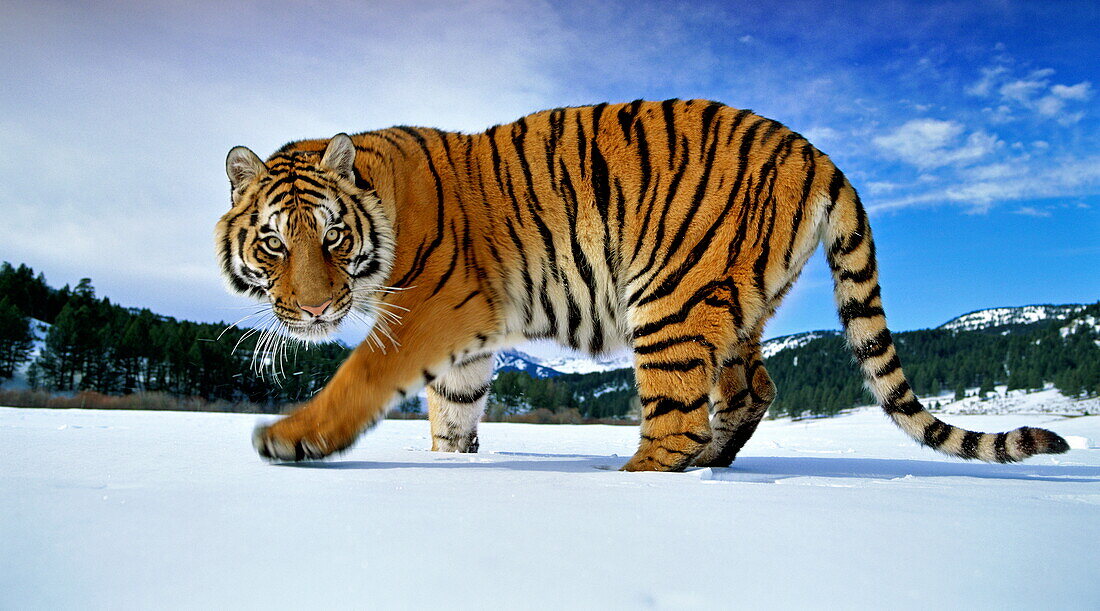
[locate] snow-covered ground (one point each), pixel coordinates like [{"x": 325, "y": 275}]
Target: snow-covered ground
[
  {"x": 1003, "y": 401},
  {"x": 153, "y": 510}
]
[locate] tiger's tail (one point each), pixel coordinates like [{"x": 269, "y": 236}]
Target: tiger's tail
[{"x": 850, "y": 252}]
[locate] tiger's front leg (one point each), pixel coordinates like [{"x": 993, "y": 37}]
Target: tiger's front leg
[
  {"x": 369, "y": 381},
  {"x": 456, "y": 401}
]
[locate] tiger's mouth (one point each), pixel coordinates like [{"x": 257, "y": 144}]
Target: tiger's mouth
[
  {"x": 313, "y": 323},
  {"x": 314, "y": 331}
]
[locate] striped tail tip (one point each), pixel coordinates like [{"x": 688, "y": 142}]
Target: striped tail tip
[
  {"x": 1009, "y": 447},
  {"x": 1042, "y": 441}
]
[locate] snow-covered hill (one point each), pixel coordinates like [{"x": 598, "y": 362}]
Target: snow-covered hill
[
  {"x": 586, "y": 364},
  {"x": 579, "y": 363},
  {"x": 797, "y": 340},
  {"x": 998, "y": 317},
  {"x": 146, "y": 510},
  {"x": 514, "y": 360}
]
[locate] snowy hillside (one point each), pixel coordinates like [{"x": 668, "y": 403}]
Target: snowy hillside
[
  {"x": 1003, "y": 401},
  {"x": 775, "y": 345},
  {"x": 147, "y": 510},
  {"x": 514, "y": 360},
  {"x": 997, "y": 317},
  {"x": 586, "y": 364}
]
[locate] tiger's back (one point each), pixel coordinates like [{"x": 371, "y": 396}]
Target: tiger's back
[{"x": 672, "y": 227}]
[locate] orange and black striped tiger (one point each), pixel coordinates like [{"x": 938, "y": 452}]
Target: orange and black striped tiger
[{"x": 674, "y": 228}]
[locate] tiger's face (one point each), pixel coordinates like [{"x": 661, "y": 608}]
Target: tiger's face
[{"x": 302, "y": 236}]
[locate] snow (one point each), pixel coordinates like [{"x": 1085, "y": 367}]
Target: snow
[
  {"x": 579, "y": 363},
  {"x": 1086, "y": 322},
  {"x": 1002, "y": 401},
  {"x": 152, "y": 509},
  {"x": 995, "y": 317},
  {"x": 776, "y": 345}
]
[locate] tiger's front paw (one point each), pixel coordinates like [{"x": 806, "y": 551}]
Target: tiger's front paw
[{"x": 283, "y": 442}]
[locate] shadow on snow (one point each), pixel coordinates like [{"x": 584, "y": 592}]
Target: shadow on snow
[{"x": 745, "y": 469}]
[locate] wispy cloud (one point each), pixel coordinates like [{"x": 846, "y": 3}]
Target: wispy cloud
[
  {"x": 1031, "y": 211},
  {"x": 933, "y": 143}
]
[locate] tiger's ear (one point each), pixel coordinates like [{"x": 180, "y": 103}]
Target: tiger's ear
[
  {"x": 340, "y": 156},
  {"x": 242, "y": 165}
]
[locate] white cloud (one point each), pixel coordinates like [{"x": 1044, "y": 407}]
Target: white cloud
[
  {"x": 981, "y": 188},
  {"x": 933, "y": 143},
  {"x": 984, "y": 86},
  {"x": 1033, "y": 92},
  {"x": 1031, "y": 211},
  {"x": 821, "y": 134},
  {"x": 1080, "y": 91},
  {"x": 1022, "y": 90}
]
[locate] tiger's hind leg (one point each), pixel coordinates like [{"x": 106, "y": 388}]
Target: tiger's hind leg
[
  {"x": 456, "y": 401},
  {"x": 675, "y": 362},
  {"x": 745, "y": 391}
]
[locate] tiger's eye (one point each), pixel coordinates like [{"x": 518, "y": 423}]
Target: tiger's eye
[
  {"x": 274, "y": 243},
  {"x": 332, "y": 235}
]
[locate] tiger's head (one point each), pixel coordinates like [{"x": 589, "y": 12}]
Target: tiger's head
[{"x": 305, "y": 237}]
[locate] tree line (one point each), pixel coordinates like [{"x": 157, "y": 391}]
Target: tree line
[{"x": 94, "y": 344}]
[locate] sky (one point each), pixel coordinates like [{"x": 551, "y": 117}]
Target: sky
[{"x": 969, "y": 128}]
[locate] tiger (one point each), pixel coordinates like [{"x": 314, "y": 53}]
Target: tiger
[{"x": 673, "y": 229}]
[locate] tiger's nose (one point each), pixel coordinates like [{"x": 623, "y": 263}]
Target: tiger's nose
[{"x": 316, "y": 310}]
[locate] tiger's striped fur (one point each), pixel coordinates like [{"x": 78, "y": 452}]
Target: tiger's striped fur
[{"x": 674, "y": 228}]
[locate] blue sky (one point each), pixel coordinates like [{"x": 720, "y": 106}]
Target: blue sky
[{"x": 970, "y": 128}]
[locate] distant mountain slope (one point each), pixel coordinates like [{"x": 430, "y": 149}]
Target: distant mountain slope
[
  {"x": 999, "y": 318},
  {"x": 776, "y": 345},
  {"x": 1021, "y": 349},
  {"x": 514, "y": 360}
]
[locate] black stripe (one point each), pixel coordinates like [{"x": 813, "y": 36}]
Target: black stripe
[
  {"x": 876, "y": 346},
  {"x": 845, "y": 245},
  {"x": 626, "y": 117},
  {"x": 465, "y": 397},
  {"x": 673, "y": 341},
  {"x": 415, "y": 271},
  {"x": 665, "y": 405},
  {"x": 548, "y": 308},
  {"x": 735, "y": 402},
  {"x": 701, "y": 439},
  {"x": 681, "y": 366},
  {"x": 680, "y": 316},
  {"x": 470, "y": 360},
  {"x": 468, "y": 298},
  {"x": 1026, "y": 441},
  {"x": 905, "y": 408},
  {"x": 862, "y": 275},
  {"x": 969, "y": 446},
  {"x": 670, "y": 128},
  {"x": 890, "y": 367},
  {"x": 454, "y": 261},
  {"x": 1001, "y": 449},
  {"x": 644, "y": 161},
  {"x": 854, "y": 308},
  {"x": 835, "y": 184},
  {"x": 528, "y": 284},
  {"x": 936, "y": 433},
  {"x": 896, "y": 394}
]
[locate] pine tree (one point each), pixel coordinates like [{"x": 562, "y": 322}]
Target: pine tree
[{"x": 16, "y": 338}]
